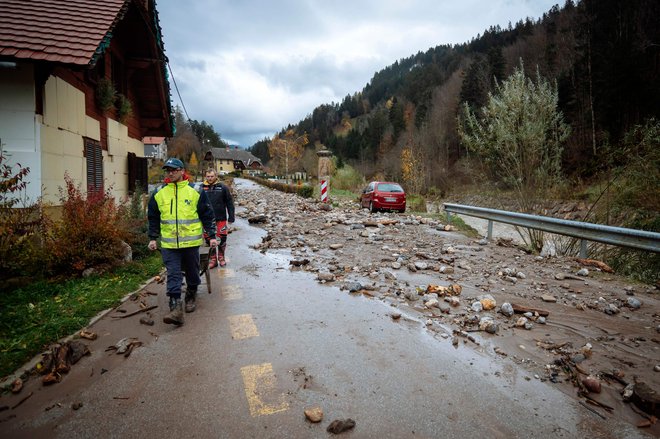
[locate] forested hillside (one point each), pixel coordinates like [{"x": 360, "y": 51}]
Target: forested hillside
[{"x": 601, "y": 56}]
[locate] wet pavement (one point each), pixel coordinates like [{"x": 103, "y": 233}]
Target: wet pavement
[{"x": 270, "y": 342}]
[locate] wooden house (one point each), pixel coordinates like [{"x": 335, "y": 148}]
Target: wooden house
[{"x": 82, "y": 82}]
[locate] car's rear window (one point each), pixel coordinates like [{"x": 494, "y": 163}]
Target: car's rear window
[{"x": 389, "y": 187}]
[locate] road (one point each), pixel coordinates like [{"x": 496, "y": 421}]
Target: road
[{"x": 270, "y": 342}]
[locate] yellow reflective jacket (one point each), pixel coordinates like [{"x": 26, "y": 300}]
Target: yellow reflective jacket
[{"x": 178, "y": 212}]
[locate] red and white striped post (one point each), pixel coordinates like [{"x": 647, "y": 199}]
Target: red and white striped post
[
  {"x": 324, "y": 191},
  {"x": 325, "y": 161}
]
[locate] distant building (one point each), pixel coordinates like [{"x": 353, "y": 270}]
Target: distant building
[
  {"x": 155, "y": 148},
  {"x": 232, "y": 159}
]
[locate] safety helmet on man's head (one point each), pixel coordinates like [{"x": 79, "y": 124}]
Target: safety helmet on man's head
[{"x": 173, "y": 163}]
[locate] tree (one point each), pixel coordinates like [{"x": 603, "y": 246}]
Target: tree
[
  {"x": 260, "y": 150},
  {"x": 285, "y": 147},
  {"x": 519, "y": 135}
]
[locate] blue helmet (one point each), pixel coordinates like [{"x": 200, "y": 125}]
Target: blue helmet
[{"x": 173, "y": 163}]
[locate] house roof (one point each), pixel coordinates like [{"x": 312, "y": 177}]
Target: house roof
[
  {"x": 234, "y": 154},
  {"x": 75, "y": 34},
  {"x": 67, "y": 32}
]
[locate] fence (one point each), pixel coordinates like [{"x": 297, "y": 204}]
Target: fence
[{"x": 619, "y": 236}]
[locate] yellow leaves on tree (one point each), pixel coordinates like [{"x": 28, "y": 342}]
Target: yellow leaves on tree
[
  {"x": 193, "y": 160},
  {"x": 410, "y": 170},
  {"x": 287, "y": 150}
]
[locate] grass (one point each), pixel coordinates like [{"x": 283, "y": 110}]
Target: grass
[
  {"x": 34, "y": 317},
  {"x": 343, "y": 194}
]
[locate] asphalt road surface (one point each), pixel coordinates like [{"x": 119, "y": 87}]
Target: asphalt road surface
[{"x": 270, "y": 342}]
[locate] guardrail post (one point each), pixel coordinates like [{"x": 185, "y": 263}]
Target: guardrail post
[
  {"x": 490, "y": 230},
  {"x": 583, "y": 248},
  {"x": 448, "y": 217}
]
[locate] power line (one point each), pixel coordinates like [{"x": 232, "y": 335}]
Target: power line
[{"x": 176, "y": 87}]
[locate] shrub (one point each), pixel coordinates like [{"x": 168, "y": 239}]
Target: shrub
[
  {"x": 306, "y": 191},
  {"x": 136, "y": 224},
  {"x": 347, "y": 178},
  {"x": 415, "y": 203},
  {"x": 90, "y": 232},
  {"x": 105, "y": 94},
  {"x": 124, "y": 108},
  {"x": 20, "y": 226}
]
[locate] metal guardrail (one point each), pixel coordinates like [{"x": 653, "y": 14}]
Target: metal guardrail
[{"x": 619, "y": 236}]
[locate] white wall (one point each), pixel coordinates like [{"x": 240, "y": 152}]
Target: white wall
[{"x": 19, "y": 126}]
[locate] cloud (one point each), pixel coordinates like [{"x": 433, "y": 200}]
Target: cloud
[{"x": 249, "y": 68}]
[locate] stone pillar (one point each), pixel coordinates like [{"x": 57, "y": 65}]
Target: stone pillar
[{"x": 325, "y": 162}]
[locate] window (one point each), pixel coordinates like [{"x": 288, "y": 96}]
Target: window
[
  {"x": 119, "y": 76},
  {"x": 94, "y": 157},
  {"x": 137, "y": 173}
]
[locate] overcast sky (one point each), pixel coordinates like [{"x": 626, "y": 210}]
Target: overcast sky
[{"x": 250, "y": 67}]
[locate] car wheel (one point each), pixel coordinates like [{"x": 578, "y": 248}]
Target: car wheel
[
  {"x": 371, "y": 207},
  {"x": 402, "y": 210}
]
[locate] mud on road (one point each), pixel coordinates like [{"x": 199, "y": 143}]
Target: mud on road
[{"x": 589, "y": 333}]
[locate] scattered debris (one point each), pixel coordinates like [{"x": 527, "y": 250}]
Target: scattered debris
[
  {"x": 17, "y": 385},
  {"x": 258, "y": 219},
  {"x": 451, "y": 290},
  {"x": 88, "y": 334},
  {"x": 520, "y": 309},
  {"x": 76, "y": 405},
  {"x": 314, "y": 414},
  {"x": 58, "y": 360},
  {"x": 340, "y": 425},
  {"x": 325, "y": 277},
  {"x": 125, "y": 346},
  {"x": 130, "y": 314},
  {"x": 646, "y": 398},
  {"x": 25, "y": 398},
  {"x": 145, "y": 320},
  {"x": 594, "y": 263},
  {"x": 592, "y": 384}
]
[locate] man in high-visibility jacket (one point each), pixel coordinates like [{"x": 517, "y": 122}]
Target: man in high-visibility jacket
[{"x": 178, "y": 214}]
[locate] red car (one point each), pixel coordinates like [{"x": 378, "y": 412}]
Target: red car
[{"x": 383, "y": 195}]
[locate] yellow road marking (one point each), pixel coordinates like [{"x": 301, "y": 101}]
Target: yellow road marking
[
  {"x": 242, "y": 326},
  {"x": 225, "y": 272},
  {"x": 231, "y": 292},
  {"x": 259, "y": 381}
]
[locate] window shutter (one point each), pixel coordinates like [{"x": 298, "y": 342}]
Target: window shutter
[{"x": 94, "y": 157}]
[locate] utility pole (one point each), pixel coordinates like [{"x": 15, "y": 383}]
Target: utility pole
[{"x": 286, "y": 161}]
